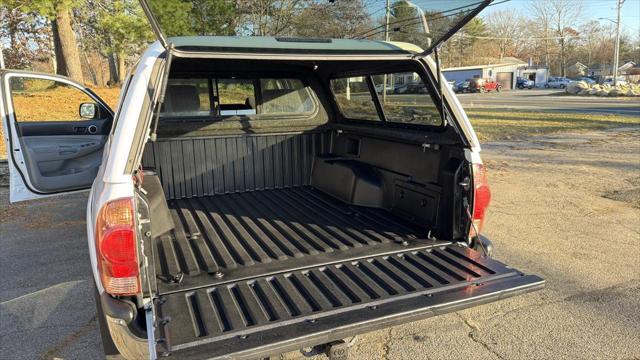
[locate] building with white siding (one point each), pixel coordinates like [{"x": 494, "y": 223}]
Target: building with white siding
[{"x": 505, "y": 72}]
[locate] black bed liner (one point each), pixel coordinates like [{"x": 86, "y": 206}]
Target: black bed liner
[
  {"x": 271, "y": 271},
  {"x": 243, "y": 234}
]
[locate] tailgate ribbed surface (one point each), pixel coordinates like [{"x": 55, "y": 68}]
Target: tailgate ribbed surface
[
  {"x": 275, "y": 304},
  {"x": 228, "y": 233}
]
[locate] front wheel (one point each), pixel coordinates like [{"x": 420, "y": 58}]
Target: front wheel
[
  {"x": 546, "y": 86},
  {"x": 498, "y": 89},
  {"x": 562, "y": 86}
]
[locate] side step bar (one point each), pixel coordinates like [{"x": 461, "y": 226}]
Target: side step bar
[{"x": 278, "y": 313}]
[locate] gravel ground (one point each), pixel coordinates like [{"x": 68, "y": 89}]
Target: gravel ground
[{"x": 565, "y": 207}]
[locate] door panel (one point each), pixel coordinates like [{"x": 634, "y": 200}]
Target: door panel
[
  {"x": 45, "y": 128},
  {"x": 52, "y": 146},
  {"x": 63, "y": 162}
]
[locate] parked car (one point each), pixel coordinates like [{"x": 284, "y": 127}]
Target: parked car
[
  {"x": 281, "y": 213},
  {"x": 557, "y": 82},
  {"x": 379, "y": 88},
  {"x": 609, "y": 81},
  {"x": 586, "y": 79},
  {"x": 401, "y": 89},
  {"x": 463, "y": 86},
  {"x": 522, "y": 83},
  {"x": 484, "y": 85}
]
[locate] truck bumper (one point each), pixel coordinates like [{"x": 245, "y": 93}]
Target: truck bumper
[{"x": 118, "y": 315}]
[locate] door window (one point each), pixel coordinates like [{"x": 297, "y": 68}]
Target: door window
[
  {"x": 407, "y": 99},
  {"x": 404, "y": 99},
  {"x": 354, "y": 98},
  {"x": 39, "y": 100}
]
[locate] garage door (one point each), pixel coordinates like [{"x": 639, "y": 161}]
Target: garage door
[{"x": 505, "y": 79}]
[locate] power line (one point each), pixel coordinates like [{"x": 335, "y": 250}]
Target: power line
[
  {"x": 367, "y": 34},
  {"x": 511, "y": 38},
  {"x": 364, "y": 34}
]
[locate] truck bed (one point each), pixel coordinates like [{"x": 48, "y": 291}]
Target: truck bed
[
  {"x": 233, "y": 236},
  {"x": 265, "y": 272}
]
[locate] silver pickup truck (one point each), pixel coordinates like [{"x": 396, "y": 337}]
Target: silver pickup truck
[{"x": 256, "y": 195}]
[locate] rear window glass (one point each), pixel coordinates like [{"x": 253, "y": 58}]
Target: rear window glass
[
  {"x": 236, "y": 97},
  {"x": 225, "y": 97},
  {"x": 285, "y": 96},
  {"x": 403, "y": 96},
  {"x": 187, "y": 97},
  {"x": 354, "y": 98}
]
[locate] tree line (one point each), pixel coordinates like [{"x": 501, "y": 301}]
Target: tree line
[{"x": 96, "y": 41}]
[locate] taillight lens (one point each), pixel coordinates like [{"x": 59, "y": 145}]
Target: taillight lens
[
  {"x": 116, "y": 247},
  {"x": 481, "y": 198}
]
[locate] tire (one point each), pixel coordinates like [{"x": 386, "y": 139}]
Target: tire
[
  {"x": 482, "y": 90},
  {"x": 498, "y": 88},
  {"x": 546, "y": 86},
  {"x": 562, "y": 86}
]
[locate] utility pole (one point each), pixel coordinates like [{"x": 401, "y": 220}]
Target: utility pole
[
  {"x": 386, "y": 27},
  {"x": 616, "y": 54},
  {"x": 386, "y": 38}
]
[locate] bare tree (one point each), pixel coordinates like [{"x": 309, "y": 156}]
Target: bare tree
[
  {"x": 507, "y": 31},
  {"x": 332, "y": 20},
  {"x": 269, "y": 17},
  {"x": 558, "y": 17}
]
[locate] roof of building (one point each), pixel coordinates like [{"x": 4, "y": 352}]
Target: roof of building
[
  {"x": 578, "y": 64},
  {"x": 505, "y": 61},
  {"x": 623, "y": 65},
  {"x": 289, "y": 45}
]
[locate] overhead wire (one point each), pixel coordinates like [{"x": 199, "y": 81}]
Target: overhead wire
[
  {"x": 364, "y": 34},
  {"x": 367, "y": 34}
]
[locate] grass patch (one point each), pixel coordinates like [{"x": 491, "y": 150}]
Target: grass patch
[{"x": 507, "y": 125}]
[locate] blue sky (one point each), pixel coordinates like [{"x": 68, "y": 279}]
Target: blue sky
[{"x": 592, "y": 10}]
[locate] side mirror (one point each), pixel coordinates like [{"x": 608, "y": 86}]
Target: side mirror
[{"x": 88, "y": 110}]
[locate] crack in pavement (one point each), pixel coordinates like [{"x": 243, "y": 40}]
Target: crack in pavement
[
  {"x": 386, "y": 346},
  {"x": 68, "y": 340},
  {"x": 474, "y": 338}
]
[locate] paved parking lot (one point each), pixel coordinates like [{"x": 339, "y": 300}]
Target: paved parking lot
[
  {"x": 565, "y": 207},
  {"x": 550, "y": 100}
]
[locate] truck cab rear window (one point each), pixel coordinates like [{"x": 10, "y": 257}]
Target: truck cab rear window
[
  {"x": 226, "y": 97},
  {"x": 404, "y": 98}
]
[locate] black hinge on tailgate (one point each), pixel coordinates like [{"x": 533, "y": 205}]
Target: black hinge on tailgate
[{"x": 274, "y": 314}]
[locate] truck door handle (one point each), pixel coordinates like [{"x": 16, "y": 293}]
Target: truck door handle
[{"x": 80, "y": 129}]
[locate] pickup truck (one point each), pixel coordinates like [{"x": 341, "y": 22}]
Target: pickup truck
[
  {"x": 523, "y": 83},
  {"x": 252, "y": 196}
]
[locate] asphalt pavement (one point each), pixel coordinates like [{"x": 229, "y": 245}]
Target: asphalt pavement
[
  {"x": 550, "y": 100},
  {"x": 565, "y": 207}
]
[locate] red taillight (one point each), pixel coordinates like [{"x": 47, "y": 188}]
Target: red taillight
[
  {"x": 481, "y": 198},
  {"x": 116, "y": 247}
]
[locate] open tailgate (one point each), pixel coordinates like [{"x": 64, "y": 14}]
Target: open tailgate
[{"x": 266, "y": 315}]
